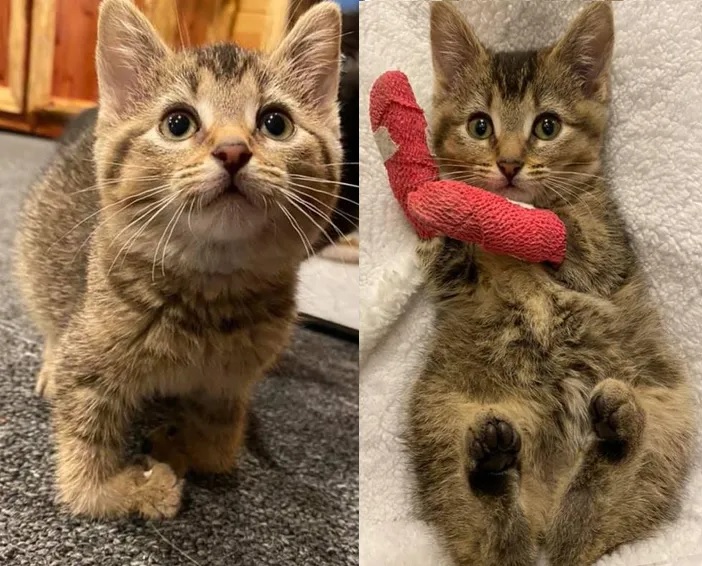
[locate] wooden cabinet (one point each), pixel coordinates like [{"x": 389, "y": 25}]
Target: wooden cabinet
[
  {"x": 13, "y": 54},
  {"x": 47, "y": 79},
  {"x": 61, "y": 56}
]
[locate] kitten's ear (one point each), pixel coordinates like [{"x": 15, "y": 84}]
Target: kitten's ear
[
  {"x": 128, "y": 48},
  {"x": 454, "y": 45},
  {"x": 310, "y": 55},
  {"x": 587, "y": 46}
]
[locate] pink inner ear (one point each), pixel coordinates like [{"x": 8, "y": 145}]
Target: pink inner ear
[
  {"x": 128, "y": 47},
  {"x": 118, "y": 83}
]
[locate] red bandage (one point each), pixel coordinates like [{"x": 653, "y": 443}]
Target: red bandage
[{"x": 452, "y": 208}]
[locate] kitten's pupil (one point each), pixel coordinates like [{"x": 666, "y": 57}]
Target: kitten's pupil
[
  {"x": 275, "y": 124},
  {"x": 548, "y": 126},
  {"x": 481, "y": 126},
  {"x": 178, "y": 124}
]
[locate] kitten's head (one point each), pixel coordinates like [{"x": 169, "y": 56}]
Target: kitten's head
[
  {"x": 217, "y": 155},
  {"x": 528, "y": 125}
]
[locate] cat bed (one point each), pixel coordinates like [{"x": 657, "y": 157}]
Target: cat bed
[{"x": 653, "y": 161}]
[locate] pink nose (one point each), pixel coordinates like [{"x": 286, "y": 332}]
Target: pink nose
[
  {"x": 232, "y": 156},
  {"x": 510, "y": 167}
]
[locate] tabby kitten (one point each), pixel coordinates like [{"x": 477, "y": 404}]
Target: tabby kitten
[
  {"x": 551, "y": 413},
  {"x": 158, "y": 254}
]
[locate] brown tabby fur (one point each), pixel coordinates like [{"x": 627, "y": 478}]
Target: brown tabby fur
[
  {"x": 142, "y": 283},
  {"x": 551, "y": 413}
]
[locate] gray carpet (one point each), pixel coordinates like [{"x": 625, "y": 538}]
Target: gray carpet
[{"x": 294, "y": 500}]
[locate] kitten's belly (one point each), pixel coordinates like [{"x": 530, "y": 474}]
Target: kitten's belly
[
  {"x": 545, "y": 347},
  {"x": 531, "y": 334}
]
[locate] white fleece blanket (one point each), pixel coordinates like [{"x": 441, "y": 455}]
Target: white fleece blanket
[{"x": 655, "y": 163}]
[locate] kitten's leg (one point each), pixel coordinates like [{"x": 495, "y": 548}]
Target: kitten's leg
[
  {"x": 90, "y": 426},
  {"x": 466, "y": 460},
  {"x": 205, "y": 437},
  {"x": 630, "y": 476}
]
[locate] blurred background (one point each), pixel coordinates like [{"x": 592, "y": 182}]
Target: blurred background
[{"x": 47, "y": 74}]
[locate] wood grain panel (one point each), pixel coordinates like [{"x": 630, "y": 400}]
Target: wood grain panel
[
  {"x": 62, "y": 78},
  {"x": 74, "y": 74},
  {"x": 4, "y": 42},
  {"x": 13, "y": 54},
  {"x": 48, "y": 126},
  {"x": 250, "y": 30},
  {"x": 253, "y": 6},
  {"x": 277, "y": 18},
  {"x": 41, "y": 54},
  {"x": 192, "y": 22}
]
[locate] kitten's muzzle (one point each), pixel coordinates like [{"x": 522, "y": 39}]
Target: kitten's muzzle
[{"x": 232, "y": 156}]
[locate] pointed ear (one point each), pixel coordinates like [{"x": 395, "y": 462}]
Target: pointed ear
[
  {"x": 128, "y": 49},
  {"x": 311, "y": 54},
  {"x": 454, "y": 45},
  {"x": 587, "y": 46}
]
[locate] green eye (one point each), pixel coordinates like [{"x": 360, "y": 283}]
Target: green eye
[
  {"x": 276, "y": 125},
  {"x": 547, "y": 127},
  {"x": 480, "y": 126}
]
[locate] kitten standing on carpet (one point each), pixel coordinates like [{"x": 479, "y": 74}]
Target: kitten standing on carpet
[
  {"x": 158, "y": 253},
  {"x": 551, "y": 413}
]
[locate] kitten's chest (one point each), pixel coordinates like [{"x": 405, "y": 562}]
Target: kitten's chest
[{"x": 222, "y": 356}]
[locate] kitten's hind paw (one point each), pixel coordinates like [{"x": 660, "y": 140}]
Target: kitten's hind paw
[
  {"x": 493, "y": 446},
  {"x": 616, "y": 417}
]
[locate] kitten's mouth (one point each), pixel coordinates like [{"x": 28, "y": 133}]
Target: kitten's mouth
[
  {"x": 515, "y": 192},
  {"x": 232, "y": 189},
  {"x": 228, "y": 192}
]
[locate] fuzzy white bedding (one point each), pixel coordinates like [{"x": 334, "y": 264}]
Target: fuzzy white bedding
[{"x": 655, "y": 163}]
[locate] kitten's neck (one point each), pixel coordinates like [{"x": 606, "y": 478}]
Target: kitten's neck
[{"x": 208, "y": 271}]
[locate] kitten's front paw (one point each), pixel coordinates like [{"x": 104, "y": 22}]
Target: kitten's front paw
[
  {"x": 159, "y": 492},
  {"x": 493, "y": 445},
  {"x": 45, "y": 386},
  {"x": 616, "y": 417}
]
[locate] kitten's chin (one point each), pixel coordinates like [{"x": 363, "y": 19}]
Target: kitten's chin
[
  {"x": 516, "y": 194},
  {"x": 227, "y": 214},
  {"x": 512, "y": 192},
  {"x": 230, "y": 219}
]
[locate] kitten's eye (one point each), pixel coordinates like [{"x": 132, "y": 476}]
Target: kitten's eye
[
  {"x": 547, "y": 127},
  {"x": 480, "y": 126},
  {"x": 179, "y": 125},
  {"x": 276, "y": 125}
]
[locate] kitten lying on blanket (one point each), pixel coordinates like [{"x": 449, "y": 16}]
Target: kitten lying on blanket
[
  {"x": 551, "y": 413},
  {"x": 158, "y": 254}
]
